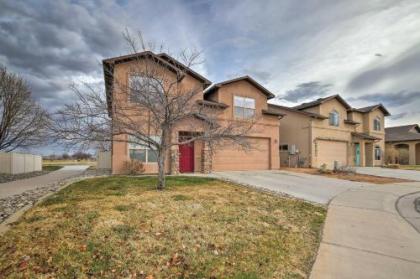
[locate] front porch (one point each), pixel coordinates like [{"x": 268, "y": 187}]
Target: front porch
[
  {"x": 365, "y": 150},
  {"x": 403, "y": 153}
]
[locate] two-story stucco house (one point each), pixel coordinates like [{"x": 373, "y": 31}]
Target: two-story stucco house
[
  {"x": 235, "y": 99},
  {"x": 329, "y": 130}
]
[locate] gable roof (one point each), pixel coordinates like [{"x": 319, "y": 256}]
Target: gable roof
[
  {"x": 216, "y": 86},
  {"x": 371, "y": 108},
  {"x": 321, "y": 101},
  {"x": 402, "y": 133},
  {"x": 164, "y": 59},
  {"x": 305, "y": 113}
]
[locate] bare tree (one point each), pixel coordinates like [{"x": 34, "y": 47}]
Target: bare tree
[
  {"x": 22, "y": 121},
  {"x": 150, "y": 110}
]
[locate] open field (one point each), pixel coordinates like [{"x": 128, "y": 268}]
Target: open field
[
  {"x": 197, "y": 228},
  {"x": 68, "y": 162},
  {"x": 350, "y": 176}
]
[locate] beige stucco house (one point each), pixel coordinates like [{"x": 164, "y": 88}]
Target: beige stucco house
[
  {"x": 403, "y": 144},
  {"x": 329, "y": 130},
  {"x": 234, "y": 100}
]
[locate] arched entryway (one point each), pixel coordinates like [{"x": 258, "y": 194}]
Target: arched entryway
[{"x": 401, "y": 154}]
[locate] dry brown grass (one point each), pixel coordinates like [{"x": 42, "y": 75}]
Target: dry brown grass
[
  {"x": 68, "y": 162},
  {"x": 197, "y": 228},
  {"x": 350, "y": 176}
]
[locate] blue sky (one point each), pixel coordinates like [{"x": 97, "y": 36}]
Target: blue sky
[{"x": 367, "y": 51}]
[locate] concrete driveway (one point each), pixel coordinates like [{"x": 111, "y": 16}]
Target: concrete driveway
[
  {"x": 312, "y": 188},
  {"x": 19, "y": 186},
  {"x": 386, "y": 172}
]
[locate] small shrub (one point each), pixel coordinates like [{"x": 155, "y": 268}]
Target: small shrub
[
  {"x": 392, "y": 166},
  {"x": 323, "y": 169},
  {"x": 134, "y": 167}
]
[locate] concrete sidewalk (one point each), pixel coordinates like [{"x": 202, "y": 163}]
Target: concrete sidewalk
[
  {"x": 19, "y": 186},
  {"x": 365, "y": 237},
  {"x": 387, "y": 172}
]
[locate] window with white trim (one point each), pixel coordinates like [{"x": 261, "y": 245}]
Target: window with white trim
[
  {"x": 378, "y": 153},
  {"x": 244, "y": 108},
  {"x": 377, "y": 124},
  {"x": 334, "y": 118},
  {"x": 141, "y": 151},
  {"x": 143, "y": 89}
]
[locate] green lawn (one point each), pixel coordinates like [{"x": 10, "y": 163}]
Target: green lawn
[
  {"x": 51, "y": 167},
  {"x": 410, "y": 167},
  {"x": 121, "y": 227}
]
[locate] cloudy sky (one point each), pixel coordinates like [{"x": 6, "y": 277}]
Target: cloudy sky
[{"x": 367, "y": 51}]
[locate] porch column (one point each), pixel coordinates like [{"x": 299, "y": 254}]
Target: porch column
[
  {"x": 362, "y": 154},
  {"x": 412, "y": 153},
  {"x": 206, "y": 159}
]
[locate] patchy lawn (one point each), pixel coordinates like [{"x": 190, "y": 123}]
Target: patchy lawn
[
  {"x": 350, "y": 176},
  {"x": 197, "y": 228}
]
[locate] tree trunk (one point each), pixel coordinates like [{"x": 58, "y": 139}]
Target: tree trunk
[{"x": 161, "y": 170}]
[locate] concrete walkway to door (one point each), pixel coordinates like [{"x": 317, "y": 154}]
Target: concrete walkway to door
[{"x": 365, "y": 236}]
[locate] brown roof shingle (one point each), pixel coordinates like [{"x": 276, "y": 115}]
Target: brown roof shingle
[{"x": 402, "y": 133}]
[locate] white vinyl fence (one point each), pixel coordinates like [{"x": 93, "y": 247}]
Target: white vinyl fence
[
  {"x": 15, "y": 163},
  {"x": 103, "y": 160}
]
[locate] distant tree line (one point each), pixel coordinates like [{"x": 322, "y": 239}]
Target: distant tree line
[{"x": 65, "y": 156}]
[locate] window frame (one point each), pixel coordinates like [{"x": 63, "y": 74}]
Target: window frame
[
  {"x": 334, "y": 118},
  {"x": 281, "y": 147},
  {"x": 130, "y": 93},
  {"x": 377, "y": 156},
  {"x": 147, "y": 148},
  {"x": 377, "y": 124},
  {"x": 244, "y": 107}
]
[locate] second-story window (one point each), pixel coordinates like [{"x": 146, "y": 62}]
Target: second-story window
[
  {"x": 244, "y": 108},
  {"x": 334, "y": 118},
  {"x": 377, "y": 124},
  {"x": 143, "y": 89}
]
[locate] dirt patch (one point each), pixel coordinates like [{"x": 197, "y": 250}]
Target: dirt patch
[{"x": 350, "y": 176}]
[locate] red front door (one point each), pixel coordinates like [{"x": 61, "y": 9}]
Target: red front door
[{"x": 186, "y": 157}]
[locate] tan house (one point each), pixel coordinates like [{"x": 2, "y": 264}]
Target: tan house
[
  {"x": 329, "y": 131},
  {"x": 236, "y": 99},
  {"x": 403, "y": 144}
]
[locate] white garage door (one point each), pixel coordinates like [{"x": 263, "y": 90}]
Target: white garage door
[
  {"x": 231, "y": 157},
  {"x": 330, "y": 151}
]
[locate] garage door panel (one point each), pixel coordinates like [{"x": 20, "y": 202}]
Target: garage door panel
[
  {"x": 330, "y": 151},
  {"x": 233, "y": 157}
]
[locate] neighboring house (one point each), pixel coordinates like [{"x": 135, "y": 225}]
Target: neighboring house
[
  {"x": 237, "y": 99},
  {"x": 329, "y": 130},
  {"x": 403, "y": 144}
]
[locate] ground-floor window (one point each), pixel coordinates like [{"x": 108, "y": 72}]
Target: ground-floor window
[
  {"x": 143, "y": 152},
  {"x": 284, "y": 147},
  {"x": 378, "y": 153}
]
